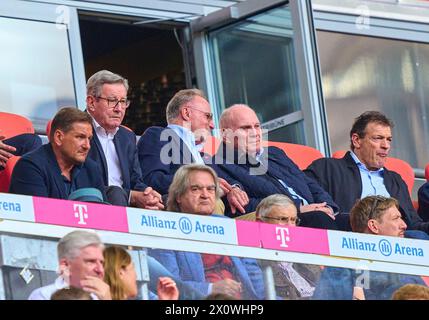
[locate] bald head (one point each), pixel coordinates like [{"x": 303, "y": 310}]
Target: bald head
[
  {"x": 241, "y": 128},
  {"x": 228, "y": 116}
]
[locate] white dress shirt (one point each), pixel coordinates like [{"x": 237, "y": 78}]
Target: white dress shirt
[{"x": 113, "y": 167}]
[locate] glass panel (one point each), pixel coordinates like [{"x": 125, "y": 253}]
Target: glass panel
[
  {"x": 255, "y": 64},
  {"x": 369, "y": 73},
  {"x": 193, "y": 272},
  {"x": 35, "y": 69},
  {"x": 293, "y": 132}
]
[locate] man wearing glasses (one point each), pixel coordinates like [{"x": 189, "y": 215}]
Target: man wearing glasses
[
  {"x": 113, "y": 146},
  {"x": 293, "y": 281},
  {"x": 376, "y": 215},
  {"x": 361, "y": 173},
  {"x": 266, "y": 171},
  {"x": 163, "y": 150}
]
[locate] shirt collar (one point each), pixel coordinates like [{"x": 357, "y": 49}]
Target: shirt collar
[
  {"x": 186, "y": 135},
  {"x": 361, "y": 165},
  {"x": 100, "y": 130}
]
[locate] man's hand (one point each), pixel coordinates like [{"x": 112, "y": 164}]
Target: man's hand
[
  {"x": 147, "y": 199},
  {"x": 227, "y": 286},
  {"x": 96, "y": 286},
  {"x": 224, "y": 186},
  {"x": 318, "y": 207},
  {"x": 5, "y": 152},
  {"x": 237, "y": 200},
  {"x": 167, "y": 289}
]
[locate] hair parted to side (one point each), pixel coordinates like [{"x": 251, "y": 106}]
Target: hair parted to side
[
  {"x": 96, "y": 81},
  {"x": 359, "y": 214},
  {"x": 180, "y": 184},
  {"x": 71, "y": 293},
  {"x": 71, "y": 244},
  {"x": 281, "y": 200},
  {"x": 361, "y": 122},
  {"x": 65, "y": 118},
  {"x": 181, "y": 98},
  {"x": 411, "y": 292},
  {"x": 115, "y": 259}
]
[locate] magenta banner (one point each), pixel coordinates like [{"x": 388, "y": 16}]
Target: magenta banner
[
  {"x": 80, "y": 214},
  {"x": 271, "y": 236},
  {"x": 247, "y": 233}
]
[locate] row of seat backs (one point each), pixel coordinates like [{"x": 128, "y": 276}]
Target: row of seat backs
[
  {"x": 13, "y": 124},
  {"x": 303, "y": 156}
]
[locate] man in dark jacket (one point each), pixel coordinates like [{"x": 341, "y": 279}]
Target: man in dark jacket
[
  {"x": 60, "y": 167},
  {"x": 260, "y": 172},
  {"x": 361, "y": 171},
  {"x": 113, "y": 146},
  {"x": 162, "y": 151}
]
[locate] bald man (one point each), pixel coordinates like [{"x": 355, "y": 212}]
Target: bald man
[{"x": 265, "y": 171}]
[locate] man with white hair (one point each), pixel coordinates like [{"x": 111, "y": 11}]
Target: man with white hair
[{"x": 80, "y": 258}]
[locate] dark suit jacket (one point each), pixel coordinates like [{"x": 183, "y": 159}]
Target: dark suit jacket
[
  {"x": 125, "y": 144},
  {"x": 161, "y": 153},
  {"x": 280, "y": 166},
  {"x": 37, "y": 174},
  {"x": 341, "y": 179}
]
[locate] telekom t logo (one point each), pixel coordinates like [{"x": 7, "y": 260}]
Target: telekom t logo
[
  {"x": 283, "y": 236},
  {"x": 80, "y": 211}
]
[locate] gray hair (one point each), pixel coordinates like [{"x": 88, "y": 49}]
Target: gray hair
[
  {"x": 71, "y": 244},
  {"x": 281, "y": 200},
  {"x": 96, "y": 81},
  {"x": 180, "y": 184},
  {"x": 180, "y": 98}
]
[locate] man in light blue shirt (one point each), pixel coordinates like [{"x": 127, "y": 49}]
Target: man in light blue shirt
[
  {"x": 162, "y": 151},
  {"x": 361, "y": 172}
]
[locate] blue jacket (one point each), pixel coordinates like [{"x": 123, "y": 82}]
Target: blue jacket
[
  {"x": 188, "y": 267},
  {"x": 338, "y": 283},
  {"x": 157, "y": 142},
  {"x": 125, "y": 144},
  {"x": 280, "y": 166},
  {"x": 37, "y": 174}
]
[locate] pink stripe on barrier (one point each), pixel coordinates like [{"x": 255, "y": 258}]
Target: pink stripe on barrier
[
  {"x": 80, "y": 214},
  {"x": 247, "y": 233},
  {"x": 271, "y": 236},
  {"x": 297, "y": 239}
]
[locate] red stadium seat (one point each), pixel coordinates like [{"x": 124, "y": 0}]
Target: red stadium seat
[
  {"x": 6, "y": 174},
  {"x": 302, "y": 155}
]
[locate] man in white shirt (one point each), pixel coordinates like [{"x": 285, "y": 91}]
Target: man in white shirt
[
  {"x": 80, "y": 258},
  {"x": 114, "y": 146}
]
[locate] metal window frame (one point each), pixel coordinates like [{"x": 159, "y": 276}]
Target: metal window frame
[{"x": 308, "y": 69}]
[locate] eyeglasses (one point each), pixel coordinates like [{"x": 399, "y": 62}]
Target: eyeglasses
[
  {"x": 284, "y": 220},
  {"x": 209, "y": 115},
  {"x": 198, "y": 189},
  {"x": 374, "y": 205},
  {"x": 112, "y": 103}
]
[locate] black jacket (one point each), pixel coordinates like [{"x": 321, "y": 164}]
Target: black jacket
[{"x": 341, "y": 179}]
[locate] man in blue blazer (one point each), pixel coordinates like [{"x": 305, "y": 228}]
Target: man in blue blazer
[
  {"x": 60, "y": 167},
  {"x": 265, "y": 171},
  {"x": 195, "y": 190},
  {"x": 113, "y": 146},
  {"x": 163, "y": 150}
]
